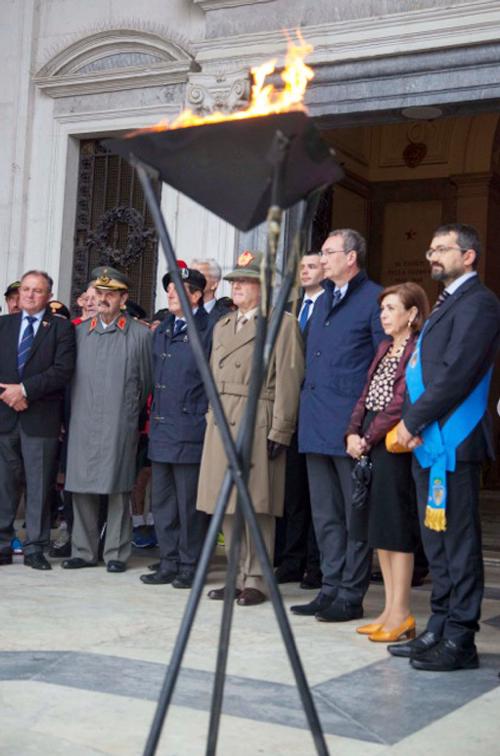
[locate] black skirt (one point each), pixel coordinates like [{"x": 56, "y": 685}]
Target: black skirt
[{"x": 389, "y": 519}]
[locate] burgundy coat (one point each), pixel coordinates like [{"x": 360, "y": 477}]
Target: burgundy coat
[{"x": 388, "y": 418}]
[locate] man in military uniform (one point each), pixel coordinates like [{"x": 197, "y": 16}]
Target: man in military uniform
[
  {"x": 111, "y": 384},
  {"x": 232, "y": 353},
  {"x": 176, "y": 435}
]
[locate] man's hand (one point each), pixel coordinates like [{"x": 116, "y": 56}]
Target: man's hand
[
  {"x": 12, "y": 395},
  {"x": 405, "y": 438},
  {"x": 21, "y": 406},
  {"x": 274, "y": 449}
]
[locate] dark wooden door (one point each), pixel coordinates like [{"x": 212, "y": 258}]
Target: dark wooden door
[{"x": 113, "y": 224}]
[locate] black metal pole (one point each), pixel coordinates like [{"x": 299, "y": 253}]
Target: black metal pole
[
  {"x": 279, "y": 152},
  {"x": 246, "y": 504}
]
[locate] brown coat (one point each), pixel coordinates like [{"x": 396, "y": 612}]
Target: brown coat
[{"x": 231, "y": 362}]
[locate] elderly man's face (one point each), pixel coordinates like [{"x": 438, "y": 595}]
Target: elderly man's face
[
  {"x": 34, "y": 294},
  {"x": 12, "y": 301},
  {"x": 245, "y": 293},
  {"x": 174, "y": 303},
  {"x": 212, "y": 282},
  {"x": 109, "y": 303},
  {"x": 90, "y": 308}
]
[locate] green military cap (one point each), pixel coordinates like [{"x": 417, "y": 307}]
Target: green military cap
[
  {"x": 11, "y": 288},
  {"x": 109, "y": 279},
  {"x": 247, "y": 266}
]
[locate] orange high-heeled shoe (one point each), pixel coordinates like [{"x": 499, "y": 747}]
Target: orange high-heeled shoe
[
  {"x": 369, "y": 629},
  {"x": 405, "y": 631}
]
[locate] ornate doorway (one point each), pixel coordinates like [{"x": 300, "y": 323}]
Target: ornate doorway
[{"x": 113, "y": 225}]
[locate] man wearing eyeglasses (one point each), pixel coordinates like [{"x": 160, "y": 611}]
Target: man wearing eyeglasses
[
  {"x": 445, "y": 423},
  {"x": 343, "y": 334}
]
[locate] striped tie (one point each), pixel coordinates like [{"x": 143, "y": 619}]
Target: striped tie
[
  {"x": 439, "y": 301},
  {"x": 25, "y": 345}
]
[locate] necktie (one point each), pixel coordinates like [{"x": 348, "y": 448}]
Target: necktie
[
  {"x": 25, "y": 345},
  {"x": 439, "y": 301},
  {"x": 337, "y": 296},
  {"x": 179, "y": 326},
  {"x": 242, "y": 319},
  {"x": 304, "y": 315}
]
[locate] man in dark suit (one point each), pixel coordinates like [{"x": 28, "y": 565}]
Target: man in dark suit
[
  {"x": 215, "y": 308},
  {"x": 457, "y": 349},
  {"x": 177, "y": 430},
  {"x": 38, "y": 357},
  {"x": 343, "y": 334},
  {"x": 296, "y": 551}
]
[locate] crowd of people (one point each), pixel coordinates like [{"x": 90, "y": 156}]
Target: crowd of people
[{"x": 370, "y": 432}]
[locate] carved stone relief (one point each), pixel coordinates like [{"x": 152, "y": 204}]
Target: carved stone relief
[{"x": 221, "y": 91}]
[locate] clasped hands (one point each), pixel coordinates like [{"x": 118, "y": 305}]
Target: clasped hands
[
  {"x": 12, "y": 395},
  {"x": 405, "y": 438},
  {"x": 356, "y": 446}
]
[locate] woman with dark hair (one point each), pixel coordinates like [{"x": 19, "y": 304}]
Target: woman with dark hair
[{"x": 388, "y": 521}]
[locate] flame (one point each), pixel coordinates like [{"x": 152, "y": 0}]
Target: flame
[{"x": 265, "y": 98}]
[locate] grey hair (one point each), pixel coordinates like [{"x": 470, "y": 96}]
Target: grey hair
[
  {"x": 42, "y": 274},
  {"x": 214, "y": 268},
  {"x": 353, "y": 240}
]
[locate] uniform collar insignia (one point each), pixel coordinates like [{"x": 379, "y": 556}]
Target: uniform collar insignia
[
  {"x": 121, "y": 322},
  {"x": 93, "y": 324}
]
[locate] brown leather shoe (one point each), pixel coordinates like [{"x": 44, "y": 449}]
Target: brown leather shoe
[
  {"x": 251, "y": 597},
  {"x": 217, "y": 594}
]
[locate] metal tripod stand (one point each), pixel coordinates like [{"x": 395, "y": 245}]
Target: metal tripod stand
[{"x": 238, "y": 455}]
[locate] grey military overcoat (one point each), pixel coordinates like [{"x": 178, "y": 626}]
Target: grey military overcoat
[
  {"x": 231, "y": 362},
  {"x": 111, "y": 383}
]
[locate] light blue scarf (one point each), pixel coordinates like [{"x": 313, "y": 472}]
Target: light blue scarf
[{"x": 438, "y": 450}]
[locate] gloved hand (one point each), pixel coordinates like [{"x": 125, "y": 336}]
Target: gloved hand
[{"x": 274, "y": 449}]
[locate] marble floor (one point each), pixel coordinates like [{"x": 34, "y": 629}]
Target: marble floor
[{"x": 83, "y": 654}]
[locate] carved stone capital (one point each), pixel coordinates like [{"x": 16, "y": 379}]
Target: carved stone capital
[{"x": 223, "y": 91}]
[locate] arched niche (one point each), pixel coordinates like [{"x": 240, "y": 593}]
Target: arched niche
[{"x": 115, "y": 59}]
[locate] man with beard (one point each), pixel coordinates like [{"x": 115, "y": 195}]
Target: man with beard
[
  {"x": 445, "y": 423},
  {"x": 111, "y": 384}
]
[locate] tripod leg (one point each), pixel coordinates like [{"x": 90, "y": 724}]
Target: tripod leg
[{"x": 224, "y": 635}]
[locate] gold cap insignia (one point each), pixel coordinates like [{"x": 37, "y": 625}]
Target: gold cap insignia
[{"x": 245, "y": 259}]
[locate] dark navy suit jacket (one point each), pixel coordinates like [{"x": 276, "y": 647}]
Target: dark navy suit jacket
[
  {"x": 177, "y": 422},
  {"x": 459, "y": 344},
  {"x": 341, "y": 344},
  {"x": 47, "y": 372}
]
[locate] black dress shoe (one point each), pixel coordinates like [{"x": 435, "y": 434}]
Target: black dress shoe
[
  {"x": 217, "y": 594},
  {"x": 312, "y": 580},
  {"x": 184, "y": 579},
  {"x": 75, "y": 563},
  {"x": 59, "y": 552},
  {"x": 251, "y": 597},
  {"x": 160, "y": 577},
  {"x": 446, "y": 656},
  {"x": 5, "y": 559},
  {"x": 340, "y": 611},
  {"x": 418, "y": 645},
  {"x": 319, "y": 603},
  {"x": 155, "y": 566},
  {"x": 115, "y": 565},
  {"x": 37, "y": 561},
  {"x": 285, "y": 574}
]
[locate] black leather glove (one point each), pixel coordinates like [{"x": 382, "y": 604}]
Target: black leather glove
[{"x": 274, "y": 449}]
